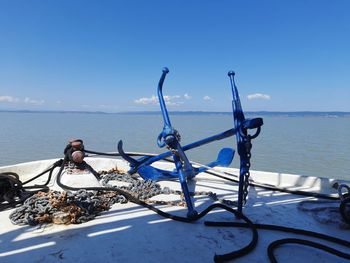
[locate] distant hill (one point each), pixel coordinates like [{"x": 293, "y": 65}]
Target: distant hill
[
  {"x": 47, "y": 111},
  {"x": 261, "y": 113}
]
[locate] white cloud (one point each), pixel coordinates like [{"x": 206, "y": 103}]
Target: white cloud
[
  {"x": 169, "y": 100},
  {"x": 27, "y": 100},
  {"x": 8, "y": 99},
  {"x": 31, "y": 101},
  {"x": 187, "y": 97},
  {"x": 152, "y": 100},
  {"x": 258, "y": 96},
  {"x": 207, "y": 98}
]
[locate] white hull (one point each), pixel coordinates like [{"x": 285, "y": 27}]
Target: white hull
[{"x": 131, "y": 233}]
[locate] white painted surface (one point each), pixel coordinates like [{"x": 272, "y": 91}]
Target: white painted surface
[{"x": 130, "y": 233}]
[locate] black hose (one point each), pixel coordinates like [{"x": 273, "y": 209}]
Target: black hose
[
  {"x": 286, "y": 190},
  {"x": 102, "y": 153},
  {"x": 283, "y": 229},
  {"x": 279, "y": 242},
  {"x": 272, "y": 247},
  {"x": 251, "y": 183},
  {"x": 50, "y": 170},
  {"x": 345, "y": 209},
  {"x": 13, "y": 192}
]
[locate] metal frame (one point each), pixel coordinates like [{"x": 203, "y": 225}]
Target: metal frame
[{"x": 184, "y": 171}]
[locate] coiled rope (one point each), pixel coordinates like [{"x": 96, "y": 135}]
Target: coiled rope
[{"x": 14, "y": 192}]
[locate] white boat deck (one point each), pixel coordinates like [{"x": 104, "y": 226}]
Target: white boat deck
[{"x": 131, "y": 233}]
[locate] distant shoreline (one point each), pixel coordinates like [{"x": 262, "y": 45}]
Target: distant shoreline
[{"x": 263, "y": 113}]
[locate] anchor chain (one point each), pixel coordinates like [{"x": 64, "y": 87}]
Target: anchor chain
[
  {"x": 82, "y": 206},
  {"x": 146, "y": 189},
  {"x": 63, "y": 207},
  {"x": 248, "y": 147},
  {"x": 245, "y": 187},
  {"x": 140, "y": 189}
]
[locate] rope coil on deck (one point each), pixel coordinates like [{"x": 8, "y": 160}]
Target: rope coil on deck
[{"x": 11, "y": 190}]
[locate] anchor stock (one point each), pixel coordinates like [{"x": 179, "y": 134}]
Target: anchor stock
[{"x": 184, "y": 170}]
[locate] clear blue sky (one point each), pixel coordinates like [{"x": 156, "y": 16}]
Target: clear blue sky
[{"x": 108, "y": 55}]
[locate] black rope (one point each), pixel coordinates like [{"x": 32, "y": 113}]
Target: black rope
[
  {"x": 283, "y": 229},
  {"x": 274, "y": 188},
  {"x": 279, "y": 242},
  {"x": 251, "y": 183},
  {"x": 14, "y": 192},
  {"x": 102, "y": 153},
  {"x": 272, "y": 247},
  {"x": 11, "y": 190},
  {"x": 50, "y": 170},
  {"x": 345, "y": 209}
]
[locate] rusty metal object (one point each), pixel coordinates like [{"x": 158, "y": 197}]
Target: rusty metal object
[
  {"x": 77, "y": 156},
  {"x": 45, "y": 218},
  {"x": 76, "y": 143},
  {"x": 75, "y": 151},
  {"x": 61, "y": 218}
]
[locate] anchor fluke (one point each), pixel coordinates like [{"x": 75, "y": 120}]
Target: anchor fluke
[
  {"x": 131, "y": 160},
  {"x": 148, "y": 172},
  {"x": 224, "y": 159}
]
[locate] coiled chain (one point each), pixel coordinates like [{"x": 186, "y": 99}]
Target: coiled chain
[{"x": 82, "y": 206}]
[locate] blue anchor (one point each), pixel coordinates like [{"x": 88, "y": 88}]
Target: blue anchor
[
  {"x": 184, "y": 170},
  {"x": 243, "y": 139}
]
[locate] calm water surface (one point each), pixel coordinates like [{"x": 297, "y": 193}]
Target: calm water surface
[{"x": 315, "y": 146}]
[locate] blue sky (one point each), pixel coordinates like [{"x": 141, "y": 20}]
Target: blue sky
[{"x": 108, "y": 55}]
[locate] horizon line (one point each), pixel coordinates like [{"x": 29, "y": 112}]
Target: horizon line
[{"x": 188, "y": 111}]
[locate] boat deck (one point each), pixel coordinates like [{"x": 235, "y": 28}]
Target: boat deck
[{"x": 131, "y": 233}]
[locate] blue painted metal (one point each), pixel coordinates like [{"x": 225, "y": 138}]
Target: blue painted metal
[
  {"x": 243, "y": 138},
  {"x": 184, "y": 171},
  {"x": 136, "y": 164},
  {"x": 148, "y": 172}
]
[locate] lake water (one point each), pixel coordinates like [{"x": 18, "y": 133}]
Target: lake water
[{"x": 307, "y": 145}]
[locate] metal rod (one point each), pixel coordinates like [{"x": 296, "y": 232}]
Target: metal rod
[{"x": 193, "y": 145}]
